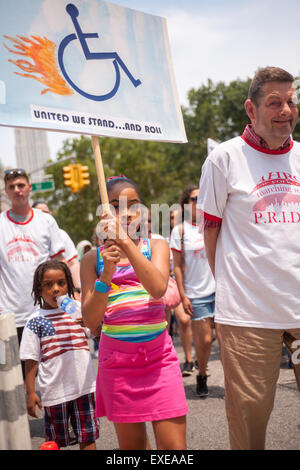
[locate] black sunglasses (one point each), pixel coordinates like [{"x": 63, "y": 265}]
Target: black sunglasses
[
  {"x": 8, "y": 174},
  {"x": 194, "y": 199}
]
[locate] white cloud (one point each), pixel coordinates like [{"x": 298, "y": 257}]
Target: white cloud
[
  {"x": 232, "y": 43},
  {"x": 50, "y": 16}
]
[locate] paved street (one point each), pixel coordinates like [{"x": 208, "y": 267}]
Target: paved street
[{"x": 206, "y": 422}]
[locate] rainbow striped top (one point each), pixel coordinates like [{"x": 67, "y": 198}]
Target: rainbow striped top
[{"x": 132, "y": 314}]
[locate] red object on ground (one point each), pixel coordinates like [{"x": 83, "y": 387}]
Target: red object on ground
[{"x": 49, "y": 445}]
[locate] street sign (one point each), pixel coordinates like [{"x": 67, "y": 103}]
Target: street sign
[{"x": 43, "y": 186}]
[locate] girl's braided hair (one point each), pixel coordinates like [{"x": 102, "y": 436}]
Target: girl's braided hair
[
  {"x": 39, "y": 275},
  {"x": 122, "y": 180}
]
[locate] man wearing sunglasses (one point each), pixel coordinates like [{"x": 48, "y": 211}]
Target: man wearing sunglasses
[
  {"x": 28, "y": 237},
  {"x": 249, "y": 193}
]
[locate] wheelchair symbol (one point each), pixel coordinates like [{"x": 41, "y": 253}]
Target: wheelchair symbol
[{"x": 117, "y": 61}]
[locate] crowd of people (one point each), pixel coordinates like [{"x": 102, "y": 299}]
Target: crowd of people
[{"x": 247, "y": 239}]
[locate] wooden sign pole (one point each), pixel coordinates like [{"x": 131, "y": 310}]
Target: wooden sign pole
[{"x": 100, "y": 173}]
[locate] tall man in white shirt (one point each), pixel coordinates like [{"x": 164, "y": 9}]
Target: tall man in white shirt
[
  {"x": 250, "y": 196},
  {"x": 28, "y": 237},
  {"x": 70, "y": 254}
]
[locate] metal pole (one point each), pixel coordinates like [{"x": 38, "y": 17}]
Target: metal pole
[
  {"x": 14, "y": 424},
  {"x": 52, "y": 164}
]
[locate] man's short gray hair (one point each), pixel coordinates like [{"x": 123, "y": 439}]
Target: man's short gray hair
[{"x": 265, "y": 75}]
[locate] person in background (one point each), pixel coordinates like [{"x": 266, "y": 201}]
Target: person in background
[
  {"x": 173, "y": 328},
  {"x": 157, "y": 236},
  {"x": 28, "y": 237},
  {"x": 184, "y": 320},
  {"x": 249, "y": 195},
  {"x": 83, "y": 247},
  {"x": 71, "y": 254},
  {"x": 195, "y": 283}
]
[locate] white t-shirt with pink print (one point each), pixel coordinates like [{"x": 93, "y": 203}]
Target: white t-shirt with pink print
[
  {"x": 256, "y": 194},
  {"x": 23, "y": 246},
  {"x": 198, "y": 279}
]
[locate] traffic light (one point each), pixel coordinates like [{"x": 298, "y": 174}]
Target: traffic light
[
  {"x": 75, "y": 187},
  {"x": 84, "y": 177},
  {"x": 76, "y": 177},
  {"x": 68, "y": 175}
]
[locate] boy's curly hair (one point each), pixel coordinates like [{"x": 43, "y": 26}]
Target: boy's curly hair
[{"x": 39, "y": 275}]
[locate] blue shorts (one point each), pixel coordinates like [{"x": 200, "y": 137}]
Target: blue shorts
[{"x": 203, "y": 307}]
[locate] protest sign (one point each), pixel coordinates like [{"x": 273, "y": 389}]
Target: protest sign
[{"x": 88, "y": 67}]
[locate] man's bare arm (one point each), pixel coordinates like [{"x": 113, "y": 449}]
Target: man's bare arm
[{"x": 210, "y": 240}]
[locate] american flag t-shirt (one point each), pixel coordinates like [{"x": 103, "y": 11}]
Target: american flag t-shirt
[
  {"x": 58, "y": 333},
  {"x": 59, "y": 345}
]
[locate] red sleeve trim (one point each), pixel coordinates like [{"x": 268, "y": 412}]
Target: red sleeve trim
[
  {"x": 56, "y": 254},
  {"x": 212, "y": 217},
  {"x": 71, "y": 259},
  {"x": 174, "y": 249}
]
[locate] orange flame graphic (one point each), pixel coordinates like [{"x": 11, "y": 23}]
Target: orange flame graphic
[{"x": 44, "y": 67}]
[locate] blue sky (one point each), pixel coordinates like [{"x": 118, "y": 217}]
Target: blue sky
[{"x": 216, "y": 39}]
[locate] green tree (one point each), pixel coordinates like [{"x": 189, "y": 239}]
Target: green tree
[
  {"x": 142, "y": 161},
  {"x": 75, "y": 213},
  {"x": 215, "y": 111}
]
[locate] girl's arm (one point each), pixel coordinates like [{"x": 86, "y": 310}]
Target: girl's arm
[
  {"x": 154, "y": 274},
  {"x": 94, "y": 303}
]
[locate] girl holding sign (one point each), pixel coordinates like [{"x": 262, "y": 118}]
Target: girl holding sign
[{"x": 123, "y": 282}]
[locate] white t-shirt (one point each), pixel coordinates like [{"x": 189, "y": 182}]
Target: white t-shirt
[
  {"x": 70, "y": 249},
  {"x": 23, "y": 246},
  {"x": 257, "y": 195},
  {"x": 59, "y": 345},
  {"x": 198, "y": 279}
]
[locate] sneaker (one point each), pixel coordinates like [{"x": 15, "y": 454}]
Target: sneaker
[
  {"x": 201, "y": 389},
  {"x": 188, "y": 368}
]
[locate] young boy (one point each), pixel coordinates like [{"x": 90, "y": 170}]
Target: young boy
[{"x": 54, "y": 345}]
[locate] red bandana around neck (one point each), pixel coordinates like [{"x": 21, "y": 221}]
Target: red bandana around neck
[{"x": 252, "y": 138}]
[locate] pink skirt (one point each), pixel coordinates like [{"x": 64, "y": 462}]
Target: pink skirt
[{"x": 139, "y": 382}]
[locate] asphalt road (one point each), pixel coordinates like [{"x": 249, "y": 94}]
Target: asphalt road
[{"x": 206, "y": 421}]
